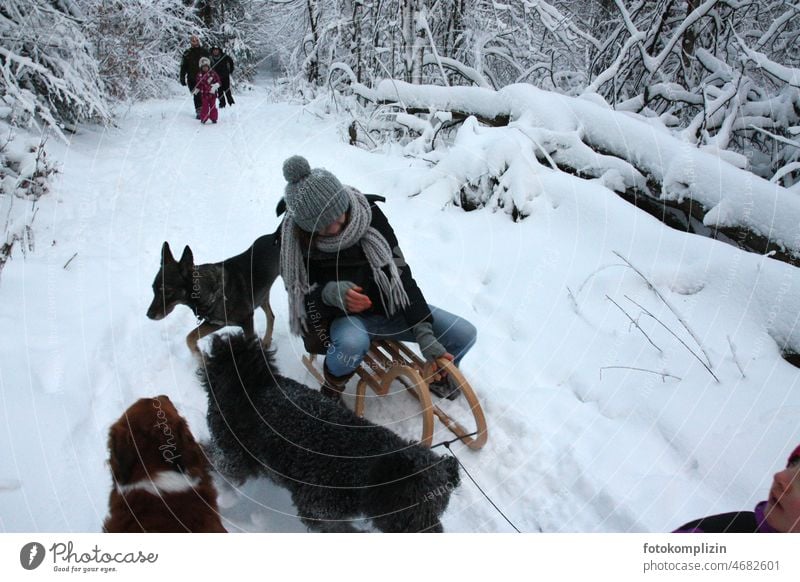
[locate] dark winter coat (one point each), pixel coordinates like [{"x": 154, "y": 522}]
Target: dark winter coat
[
  {"x": 734, "y": 522},
  {"x": 222, "y": 64},
  {"x": 351, "y": 265},
  {"x": 190, "y": 65}
]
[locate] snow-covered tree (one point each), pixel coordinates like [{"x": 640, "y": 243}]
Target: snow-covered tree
[
  {"x": 49, "y": 81},
  {"x": 48, "y": 72},
  {"x": 25, "y": 174},
  {"x": 236, "y": 27},
  {"x": 138, "y": 43}
]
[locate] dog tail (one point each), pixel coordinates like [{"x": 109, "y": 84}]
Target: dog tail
[{"x": 235, "y": 365}]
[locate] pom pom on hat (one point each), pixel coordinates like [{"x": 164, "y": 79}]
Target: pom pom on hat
[
  {"x": 295, "y": 169},
  {"x": 314, "y": 198}
]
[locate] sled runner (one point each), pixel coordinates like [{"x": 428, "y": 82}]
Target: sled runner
[{"x": 387, "y": 361}]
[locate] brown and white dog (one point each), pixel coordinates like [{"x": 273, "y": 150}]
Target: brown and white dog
[{"x": 161, "y": 480}]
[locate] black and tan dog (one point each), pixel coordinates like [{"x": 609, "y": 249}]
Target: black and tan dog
[{"x": 219, "y": 294}]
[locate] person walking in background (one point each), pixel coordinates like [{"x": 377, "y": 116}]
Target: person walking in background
[
  {"x": 222, "y": 65},
  {"x": 780, "y": 513},
  {"x": 207, "y": 85},
  {"x": 190, "y": 67}
]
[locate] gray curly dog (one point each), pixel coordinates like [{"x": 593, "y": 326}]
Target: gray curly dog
[{"x": 337, "y": 466}]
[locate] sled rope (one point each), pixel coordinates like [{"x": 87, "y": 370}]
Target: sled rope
[
  {"x": 489, "y": 499},
  {"x": 461, "y": 438}
]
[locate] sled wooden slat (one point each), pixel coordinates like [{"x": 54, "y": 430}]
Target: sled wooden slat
[
  {"x": 387, "y": 361},
  {"x": 308, "y": 360}
]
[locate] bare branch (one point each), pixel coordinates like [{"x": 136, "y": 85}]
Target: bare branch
[
  {"x": 663, "y": 375},
  {"x": 670, "y": 307},
  {"x": 635, "y": 323},
  {"x": 676, "y": 336},
  {"x": 735, "y": 359}
]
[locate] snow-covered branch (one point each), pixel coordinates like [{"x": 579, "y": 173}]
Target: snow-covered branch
[
  {"x": 788, "y": 75},
  {"x": 501, "y": 166}
]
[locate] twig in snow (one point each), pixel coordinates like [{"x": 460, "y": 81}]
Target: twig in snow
[
  {"x": 735, "y": 359},
  {"x": 596, "y": 272},
  {"x": 671, "y": 308},
  {"x": 69, "y": 261},
  {"x": 573, "y": 301},
  {"x": 691, "y": 351},
  {"x": 662, "y": 374},
  {"x": 636, "y": 323}
]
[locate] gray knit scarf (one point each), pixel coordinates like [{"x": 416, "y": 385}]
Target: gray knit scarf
[{"x": 356, "y": 231}]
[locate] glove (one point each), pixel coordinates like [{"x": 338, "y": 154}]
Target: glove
[
  {"x": 430, "y": 346},
  {"x": 333, "y": 293},
  {"x": 214, "y": 87}
]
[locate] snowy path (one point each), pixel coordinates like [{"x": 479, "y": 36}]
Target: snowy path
[{"x": 569, "y": 450}]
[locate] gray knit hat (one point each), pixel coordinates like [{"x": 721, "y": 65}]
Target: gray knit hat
[{"x": 314, "y": 198}]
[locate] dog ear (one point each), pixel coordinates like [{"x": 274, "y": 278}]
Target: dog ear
[
  {"x": 122, "y": 453},
  {"x": 187, "y": 259},
  {"x": 166, "y": 254}
]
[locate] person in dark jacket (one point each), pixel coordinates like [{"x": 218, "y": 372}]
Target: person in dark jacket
[
  {"x": 222, "y": 64},
  {"x": 190, "y": 67},
  {"x": 779, "y": 513},
  {"x": 348, "y": 282}
]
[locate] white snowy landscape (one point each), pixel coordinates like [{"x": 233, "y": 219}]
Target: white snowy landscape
[{"x": 632, "y": 374}]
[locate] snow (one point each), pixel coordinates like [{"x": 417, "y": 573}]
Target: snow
[
  {"x": 576, "y": 444},
  {"x": 683, "y": 169}
]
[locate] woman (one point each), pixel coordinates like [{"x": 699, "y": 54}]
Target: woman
[
  {"x": 779, "y": 513},
  {"x": 348, "y": 282},
  {"x": 222, "y": 65}
]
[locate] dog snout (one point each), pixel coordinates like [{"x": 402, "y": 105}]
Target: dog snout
[{"x": 158, "y": 310}]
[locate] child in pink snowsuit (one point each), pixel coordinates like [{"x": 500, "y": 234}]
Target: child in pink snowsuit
[{"x": 207, "y": 84}]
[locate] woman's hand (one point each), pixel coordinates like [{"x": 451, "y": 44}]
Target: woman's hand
[
  {"x": 355, "y": 301},
  {"x": 434, "y": 373}
]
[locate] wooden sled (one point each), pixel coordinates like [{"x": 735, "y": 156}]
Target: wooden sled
[{"x": 387, "y": 361}]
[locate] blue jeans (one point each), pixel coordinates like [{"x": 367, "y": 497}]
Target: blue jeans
[{"x": 352, "y": 334}]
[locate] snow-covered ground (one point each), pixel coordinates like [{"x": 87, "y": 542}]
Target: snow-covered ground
[{"x": 580, "y": 440}]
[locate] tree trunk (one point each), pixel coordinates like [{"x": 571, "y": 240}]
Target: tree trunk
[
  {"x": 312, "y": 71},
  {"x": 418, "y": 51},
  {"x": 689, "y": 37},
  {"x": 408, "y": 40}
]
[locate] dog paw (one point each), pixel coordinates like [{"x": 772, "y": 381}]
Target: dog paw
[{"x": 227, "y": 494}]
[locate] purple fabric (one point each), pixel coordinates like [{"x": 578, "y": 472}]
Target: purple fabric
[
  {"x": 205, "y": 80},
  {"x": 763, "y": 526},
  {"x": 759, "y": 514}
]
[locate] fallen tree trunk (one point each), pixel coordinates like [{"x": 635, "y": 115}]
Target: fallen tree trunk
[{"x": 520, "y": 130}]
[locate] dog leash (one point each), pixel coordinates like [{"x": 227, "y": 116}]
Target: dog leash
[{"x": 446, "y": 444}]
